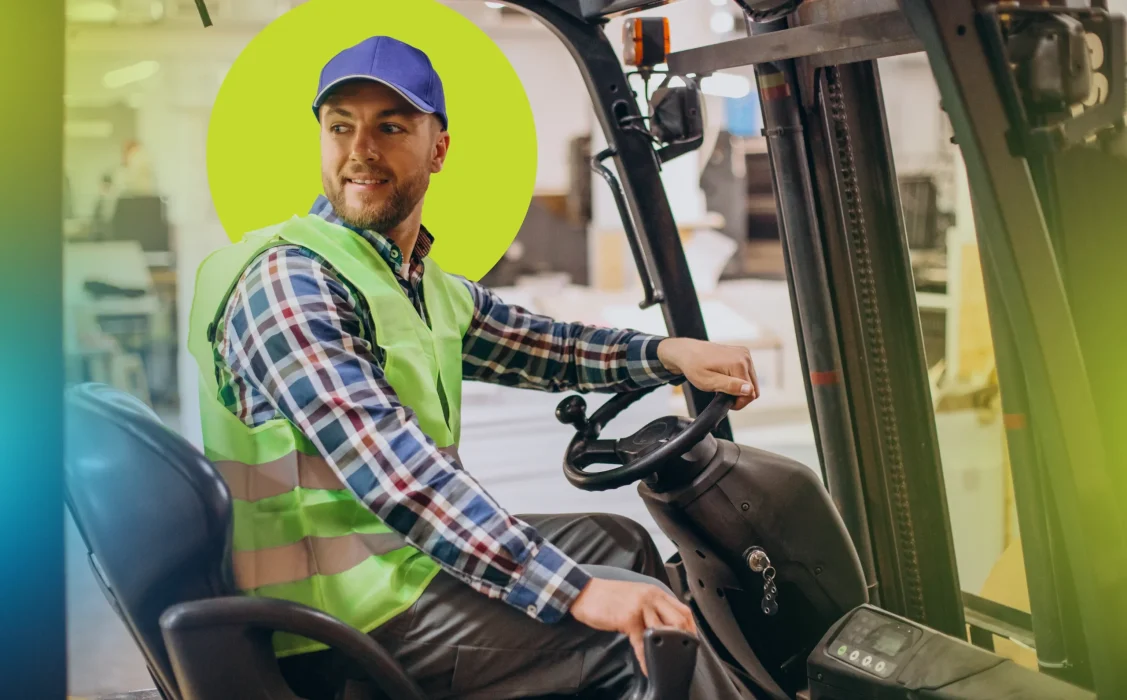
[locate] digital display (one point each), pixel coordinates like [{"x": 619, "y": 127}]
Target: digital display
[{"x": 888, "y": 641}]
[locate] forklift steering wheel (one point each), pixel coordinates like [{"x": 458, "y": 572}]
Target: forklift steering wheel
[{"x": 638, "y": 455}]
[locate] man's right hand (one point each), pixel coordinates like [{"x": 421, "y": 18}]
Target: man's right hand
[{"x": 631, "y": 608}]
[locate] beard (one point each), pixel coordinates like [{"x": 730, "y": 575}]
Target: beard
[{"x": 381, "y": 215}]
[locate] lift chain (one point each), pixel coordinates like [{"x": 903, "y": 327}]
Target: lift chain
[
  {"x": 855, "y": 223},
  {"x": 759, "y": 562}
]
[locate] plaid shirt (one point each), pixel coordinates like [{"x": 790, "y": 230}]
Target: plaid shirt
[{"x": 297, "y": 341}]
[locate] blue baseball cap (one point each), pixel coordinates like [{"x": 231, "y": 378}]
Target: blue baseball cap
[{"x": 399, "y": 66}]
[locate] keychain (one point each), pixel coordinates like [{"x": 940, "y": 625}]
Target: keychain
[{"x": 759, "y": 562}]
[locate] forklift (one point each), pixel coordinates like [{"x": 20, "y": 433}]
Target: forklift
[{"x": 843, "y": 587}]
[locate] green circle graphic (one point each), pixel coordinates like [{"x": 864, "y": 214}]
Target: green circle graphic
[{"x": 263, "y": 147}]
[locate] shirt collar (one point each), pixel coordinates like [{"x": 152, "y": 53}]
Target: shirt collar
[{"x": 387, "y": 248}]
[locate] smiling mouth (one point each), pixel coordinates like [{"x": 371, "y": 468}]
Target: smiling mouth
[{"x": 366, "y": 183}]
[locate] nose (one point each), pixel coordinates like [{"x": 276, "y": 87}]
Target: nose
[{"x": 364, "y": 146}]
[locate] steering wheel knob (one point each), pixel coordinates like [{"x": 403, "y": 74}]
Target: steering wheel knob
[{"x": 572, "y": 411}]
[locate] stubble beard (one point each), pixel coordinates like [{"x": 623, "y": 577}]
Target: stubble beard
[{"x": 381, "y": 216}]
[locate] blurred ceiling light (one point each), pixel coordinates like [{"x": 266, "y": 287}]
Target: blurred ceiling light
[
  {"x": 92, "y": 11},
  {"x": 720, "y": 3},
  {"x": 722, "y": 22},
  {"x": 130, "y": 74},
  {"x": 98, "y": 129},
  {"x": 495, "y": 5},
  {"x": 156, "y": 10},
  {"x": 726, "y": 85}
]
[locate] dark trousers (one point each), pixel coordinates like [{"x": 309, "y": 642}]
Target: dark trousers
[{"x": 457, "y": 643}]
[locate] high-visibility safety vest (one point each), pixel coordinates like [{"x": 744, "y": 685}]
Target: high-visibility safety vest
[{"x": 299, "y": 533}]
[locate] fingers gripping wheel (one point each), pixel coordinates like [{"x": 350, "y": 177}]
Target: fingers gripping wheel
[
  {"x": 636, "y": 456},
  {"x": 671, "y": 657}
]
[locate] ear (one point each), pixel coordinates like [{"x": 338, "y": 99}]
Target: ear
[{"x": 441, "y": 148}]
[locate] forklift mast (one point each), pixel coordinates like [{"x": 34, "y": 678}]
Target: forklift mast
[{"x": 1011, "y": 79}]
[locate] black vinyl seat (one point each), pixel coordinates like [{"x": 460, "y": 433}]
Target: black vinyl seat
[{"x": 156, "y": 518}]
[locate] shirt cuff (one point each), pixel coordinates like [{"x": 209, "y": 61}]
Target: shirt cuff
[
  {"x": 550, "y": 583},
  {"x": 642, "y": 362}
]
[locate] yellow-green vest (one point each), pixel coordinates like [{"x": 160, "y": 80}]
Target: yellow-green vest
[{"x": 299, "y": 533}]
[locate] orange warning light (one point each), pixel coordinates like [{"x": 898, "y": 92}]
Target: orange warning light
[{"x": 645, "y": 41}]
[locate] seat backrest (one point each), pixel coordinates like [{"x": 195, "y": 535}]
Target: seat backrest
[{"x": 154, "y": 513}]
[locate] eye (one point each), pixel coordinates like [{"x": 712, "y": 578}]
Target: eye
[
  {"x": 391, "y": 128},
  {"x": 338, "y": 128}
]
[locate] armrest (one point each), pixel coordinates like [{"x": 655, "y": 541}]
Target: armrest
[
  {"x": 222, "y": 647},
  {"x": 671, "y": 657}
]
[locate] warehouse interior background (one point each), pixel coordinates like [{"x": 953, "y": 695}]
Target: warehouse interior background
[{"x": 141, "y": 78}]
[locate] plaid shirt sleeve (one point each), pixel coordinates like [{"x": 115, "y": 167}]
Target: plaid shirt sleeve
[
  {"x": 508, "y": 345},
  {"x": 294, "y": 333}
]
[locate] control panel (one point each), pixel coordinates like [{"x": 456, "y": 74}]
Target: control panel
[
  {"x": 874, "y": 643},
  {"x": 871, "y": 654}
]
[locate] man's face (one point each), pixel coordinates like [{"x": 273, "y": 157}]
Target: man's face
[{"x": 377, "y": 155}]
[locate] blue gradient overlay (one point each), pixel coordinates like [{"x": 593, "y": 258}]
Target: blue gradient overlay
[{"x": 32, "y": 602}]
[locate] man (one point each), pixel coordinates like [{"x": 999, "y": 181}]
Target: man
[{"x": 332, "y": 351}]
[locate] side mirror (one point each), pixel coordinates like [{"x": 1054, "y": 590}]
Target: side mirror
[{"x": 677, "y": 118}]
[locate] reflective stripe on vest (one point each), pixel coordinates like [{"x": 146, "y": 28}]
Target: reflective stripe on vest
[
  {"x": 299, "y": 532},
  {"x": 278, "y": 476},
  {"x": 311, "y": 555}
]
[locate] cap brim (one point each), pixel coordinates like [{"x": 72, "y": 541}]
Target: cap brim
[{"x": 411, "y": 97}]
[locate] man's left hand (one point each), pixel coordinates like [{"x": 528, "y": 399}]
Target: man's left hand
[{"x": 712, "y": 367}]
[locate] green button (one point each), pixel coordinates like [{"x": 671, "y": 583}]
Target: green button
[{"x": 842, "y": 650}]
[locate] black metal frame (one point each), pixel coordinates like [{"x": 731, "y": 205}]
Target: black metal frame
[
  {"x": 987, "y": 618},
  {"x": 857, "y": 324},
  {"x": 811, "y": 303},
  {"x": 637, "y": 163},
  {"x": 886, "y": 371},
  {"x": 1018, "y": 256},
  {"x": 860, "y": 37},
  {"x": 205, "y": 16}
]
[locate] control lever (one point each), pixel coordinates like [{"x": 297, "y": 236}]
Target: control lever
[{"x": 671, "y": 659}]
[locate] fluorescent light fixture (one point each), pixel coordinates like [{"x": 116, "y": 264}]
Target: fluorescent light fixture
[
  {"x": 720, "y": 3},
  {"x": 95, "y": 129},
  {"x": 92, "y": 11},
  {"x": 726, "y": 85},
  {"x": 722, "y": 22},
  {"x": 130, "y": 74},
  {"x": 495, "y": 5}
]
